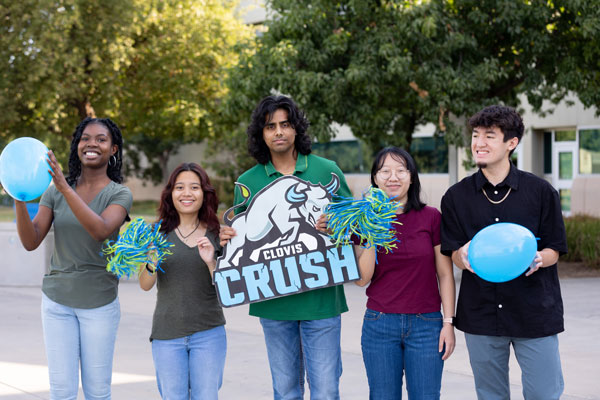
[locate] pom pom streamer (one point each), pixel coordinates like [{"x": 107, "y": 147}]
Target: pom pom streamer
[
  {"x": 369, "y": 218},
  {"x": 132, "y": 249}
]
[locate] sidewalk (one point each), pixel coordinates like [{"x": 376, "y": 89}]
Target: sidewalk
[{"x": 23, "y": 373}]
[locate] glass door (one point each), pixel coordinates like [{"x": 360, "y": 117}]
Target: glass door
[{"x": 564, "y": 166}]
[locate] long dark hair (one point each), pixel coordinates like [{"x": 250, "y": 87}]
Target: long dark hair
[
  {"x": 413, "y": 200},
  {"x": 207, "y": 213},
  {"x": 113, "y": 171},
  {"x": 266, "y": 108}
]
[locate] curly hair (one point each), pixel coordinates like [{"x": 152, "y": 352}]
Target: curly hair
[
  {"x": 413, "y": 200},
  {"x": 207, "y": 213},
  {"x": 113, "y": 171},
  {"x": 262, "y": 115},
  {"x": 505, "y": 118}
]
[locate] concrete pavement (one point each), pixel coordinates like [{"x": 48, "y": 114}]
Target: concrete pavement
[{"x": 23, "y": 372}]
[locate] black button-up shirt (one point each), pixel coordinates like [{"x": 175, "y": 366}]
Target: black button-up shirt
[{"x": 527, "y": 306}]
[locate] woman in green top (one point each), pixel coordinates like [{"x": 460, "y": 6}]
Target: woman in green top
[
  {"x": 188, "y": 333},
  {"x": 80, "y": 308}
]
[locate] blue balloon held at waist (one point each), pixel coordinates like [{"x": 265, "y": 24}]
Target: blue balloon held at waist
[{"x": 501, "y": 252}]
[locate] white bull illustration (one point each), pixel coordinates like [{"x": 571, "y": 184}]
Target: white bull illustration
[{"x": 278, "y": 215}]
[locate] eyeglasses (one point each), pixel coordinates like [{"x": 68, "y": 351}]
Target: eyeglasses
[{"x": 386, "y": 173}]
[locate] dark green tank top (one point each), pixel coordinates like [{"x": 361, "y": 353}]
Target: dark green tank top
[{"x": 186, "y": 300}]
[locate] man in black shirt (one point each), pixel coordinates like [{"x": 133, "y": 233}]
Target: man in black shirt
[{"x": 526, "y": 312}]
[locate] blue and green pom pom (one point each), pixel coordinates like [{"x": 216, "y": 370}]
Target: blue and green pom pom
[
  {"x": 130, "y": 252},
  {"x": 369, "y": 218}
]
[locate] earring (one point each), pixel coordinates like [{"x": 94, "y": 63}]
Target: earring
[{"x": 114, "y": 161}]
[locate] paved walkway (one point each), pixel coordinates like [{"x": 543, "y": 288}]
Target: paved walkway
[{"x": 23, "y": 373}]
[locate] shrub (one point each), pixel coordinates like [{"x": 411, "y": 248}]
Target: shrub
[{"x": 583, "y": 239}]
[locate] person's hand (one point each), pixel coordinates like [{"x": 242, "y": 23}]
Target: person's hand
[
  {"x": 56, "y": 172},
  {"x": 206, "y": 249},
  {"x": 207, "y": 252},
  {"x": 321, "y": 225},
  {"x": 448, "y": 340},
  {"x": 536, "y": 264},
  {"x": 226, "y": 234},
  {"x": 463, "y": 254},
  {"x": 152, "y": 258}
]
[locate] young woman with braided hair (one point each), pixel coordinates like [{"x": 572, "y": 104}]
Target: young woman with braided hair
[{"x": 80, "y": 307}]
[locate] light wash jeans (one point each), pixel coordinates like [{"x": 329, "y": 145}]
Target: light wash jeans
[
  {"x": 313, "y": 346},
  {"x": 393, "y": 344},
  {"x": 191, "y": 367},
  {"x": 539, "y": 359},
  {"x": 74, "y": 335}
]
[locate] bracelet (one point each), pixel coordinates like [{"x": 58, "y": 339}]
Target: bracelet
[
  {"x": 449, "y": 320},
  {"x": 150, "y": 271}
]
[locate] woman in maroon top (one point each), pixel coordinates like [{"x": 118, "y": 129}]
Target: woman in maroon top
[{"x": 403, "y": 328}]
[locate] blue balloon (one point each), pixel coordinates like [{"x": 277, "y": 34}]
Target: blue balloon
[
  {"x": 24, "y": 169},
  {"x": 501, "y": 252}
]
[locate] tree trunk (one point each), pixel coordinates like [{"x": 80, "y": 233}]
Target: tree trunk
[
  {"x": 164, "y": 161},
  {"x": 85, "y": 109}
]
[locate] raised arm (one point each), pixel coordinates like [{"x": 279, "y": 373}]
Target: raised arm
[{"x": 100, "y": 227}]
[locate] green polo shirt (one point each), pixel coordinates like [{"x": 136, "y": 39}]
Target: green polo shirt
[{"x": 314, "y": 304}]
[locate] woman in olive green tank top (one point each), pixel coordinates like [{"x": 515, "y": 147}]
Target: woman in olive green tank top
[
  {"x": 80, "y": 308},
  {"x": 188, "y": 334}
]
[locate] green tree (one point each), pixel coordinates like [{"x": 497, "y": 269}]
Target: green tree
[
  {"x": 174, "y": 84},
  {"x": 59, "y": 62},
  {"x": 384, "y": 67},
  {"x": 156, "y": 67}
]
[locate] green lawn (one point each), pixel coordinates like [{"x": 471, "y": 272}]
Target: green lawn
[
  {"x": 144, "y": 209},
  {"x": 7, "y": 214}
]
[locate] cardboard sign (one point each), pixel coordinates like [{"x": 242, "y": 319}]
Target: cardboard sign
[{"x": 277, "y": 251}]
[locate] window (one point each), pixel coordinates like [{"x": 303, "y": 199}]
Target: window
[
  {"x": 547, "y": 152},
  {"x": 430, "y": 154},
  {"x": 565, "y": 199},
  {"x": 565, "y": 165},
  {"x": 589, "y": 151},
  {"x": 564, "y": 136},
  {"x": 351, "y": 156}
]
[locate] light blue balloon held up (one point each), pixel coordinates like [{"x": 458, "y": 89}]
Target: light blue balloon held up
[
  {"x": 24, "y": 169},
  {"x": 501, "y": 252}
]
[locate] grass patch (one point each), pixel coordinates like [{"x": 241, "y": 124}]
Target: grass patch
[
  {"x": 7, "y": 214},
  {"x": 146, "y": 209}
]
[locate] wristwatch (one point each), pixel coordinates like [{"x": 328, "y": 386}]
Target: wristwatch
[{"x": 449, "y": 320}]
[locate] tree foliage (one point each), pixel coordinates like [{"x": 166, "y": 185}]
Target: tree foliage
[
  {"x": 155, "y": 67},
  {"x": 173, "y": 86},
  {"x": 59, "y": 61},
  {"x": 384, "y": 67}
]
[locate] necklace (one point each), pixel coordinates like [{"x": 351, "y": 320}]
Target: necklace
[
  {"x": 499, "y": 201},
  {"x": 189, "y": 234}
]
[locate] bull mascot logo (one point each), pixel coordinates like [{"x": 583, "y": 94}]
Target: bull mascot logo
[{"x": 281, "y": 214}]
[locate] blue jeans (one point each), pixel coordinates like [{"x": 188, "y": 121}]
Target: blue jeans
[
  {"x": 74, "y": 335},
  {"x": 396, "y": 343},
  {"x": 539, "y": 359},
  {"x": 313, "y": 346},
  {"x": 191, "y": 366}
]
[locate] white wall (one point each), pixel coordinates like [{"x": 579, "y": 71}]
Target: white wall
[{"x": 19, "y": 266}]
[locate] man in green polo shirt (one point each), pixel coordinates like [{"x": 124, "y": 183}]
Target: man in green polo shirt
[{"x": 302, "y": 331}]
